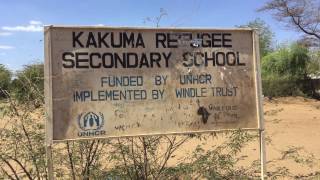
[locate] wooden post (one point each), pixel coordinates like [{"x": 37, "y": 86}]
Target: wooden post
[
  {"x": 48, "y": 100},
  {"x": 49, "y": 161},
  {"x": 259, "y": 98}
]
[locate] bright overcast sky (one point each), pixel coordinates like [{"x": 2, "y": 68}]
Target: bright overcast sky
[{"x": 21, "y": 21}]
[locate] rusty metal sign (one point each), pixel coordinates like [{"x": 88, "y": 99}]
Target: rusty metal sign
[{"x": 109, "y": 82}]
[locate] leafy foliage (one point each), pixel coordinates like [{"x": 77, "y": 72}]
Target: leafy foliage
[
  {"x": 22, "y": 150},
  {"x": 143, "y": 157},
  {"x": 217, "y": 163},
  {"x": 290, "y": 61},
  {"x": 278, "y": 86},
  {"x": 5, "y": 80},
  {"x": 313, "y": 66},
  {"x": 265, "y": 35},
  {"x": 285, "y": 71},
  {"x": 29, "y": 85}
]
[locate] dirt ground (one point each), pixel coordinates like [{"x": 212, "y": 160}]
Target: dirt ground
[
  {"x": 293, "y": 132},
  {"x": 292, "y": 137}
]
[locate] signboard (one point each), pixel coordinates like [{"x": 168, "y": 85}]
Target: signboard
[{"x": 109, "y": 82}]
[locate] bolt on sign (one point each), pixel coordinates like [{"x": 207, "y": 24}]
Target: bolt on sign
[{"x": 110, "y": 82}]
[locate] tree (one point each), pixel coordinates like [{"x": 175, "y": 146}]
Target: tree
[
  {"x": 28, "y": 87},
  {"x": 291, "y": 61},
  {"x": 314, "y": 65},
  {"x": 303, "y": 15},
  {"x": 265, "y": 35},
  {"x": 5, "y": 80},
  {"x": 284, "y": 72}
]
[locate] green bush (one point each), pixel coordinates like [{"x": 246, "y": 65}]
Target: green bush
[
  {"x": 28, "y": 87},
  {"x": 284, "y": 72},
  {"x": 279, "y": 86},
  {"x": 5, "y": 80}
]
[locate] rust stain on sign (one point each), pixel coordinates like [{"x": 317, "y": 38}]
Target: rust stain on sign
[{"x": 108, "y": 82}]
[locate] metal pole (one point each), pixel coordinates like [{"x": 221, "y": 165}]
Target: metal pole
[
  {"x": 49, "y": 161},
  {"x": 256, "y": 56},
  {"x": 262, "y": 153}
]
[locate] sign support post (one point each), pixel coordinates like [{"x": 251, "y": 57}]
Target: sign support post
[
  {"x": 48, "y": 102},
  {"x": 49, "y": 161},
  {"x": 262, "y": 153},
  {"x": 260, "y": 109}
]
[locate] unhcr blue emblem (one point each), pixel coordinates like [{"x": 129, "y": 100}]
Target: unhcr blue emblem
[{"x": 91, "y": 121}]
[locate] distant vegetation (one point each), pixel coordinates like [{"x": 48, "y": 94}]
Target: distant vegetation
[
  {"x": 294, "y": 69},
  {"x": 25, "y": 85},
  {"x": 288, "y": 69},
  {"x": 5, "y": 80}
]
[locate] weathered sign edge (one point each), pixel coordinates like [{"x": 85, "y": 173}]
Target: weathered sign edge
[
  {"x": 159, "y": 134},
  {"x": 48, "y": 86},
  {"x": 148, "y": 28},
  {"x": 259, "y": 98}
]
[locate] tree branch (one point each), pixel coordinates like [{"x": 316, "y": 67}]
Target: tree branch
[
  {"x": 71, "y": 161},
  {"x": 22, "y": 167},
  {"x": 11, "y": 167}
]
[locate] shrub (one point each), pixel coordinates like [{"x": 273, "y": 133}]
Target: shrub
[
  {"x": 5, "y": 80},
  {"x": 28, "y": 87},
  {"x": 284, "y": 72},
  {"x": 279, "y": 86}
]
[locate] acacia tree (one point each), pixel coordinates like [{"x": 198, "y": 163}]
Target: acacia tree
[
  {"x": 28, "y": 86},
  {"x": 303, "y": 15},
  {"x": 265, "y": 35}
]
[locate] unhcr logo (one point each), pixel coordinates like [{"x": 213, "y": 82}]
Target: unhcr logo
[{"x": 90, "y": 124}]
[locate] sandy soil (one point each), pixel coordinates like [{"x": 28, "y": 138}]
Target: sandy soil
[
  {"x": 292, "y": 137},
  {"x": 293, "y": 123}
]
